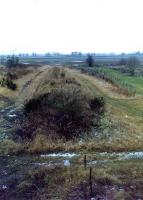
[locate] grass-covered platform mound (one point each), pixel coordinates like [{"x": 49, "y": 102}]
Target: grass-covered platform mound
[
  {"x": 63, "y": 111},
  {"x": 60, "y": 108}
]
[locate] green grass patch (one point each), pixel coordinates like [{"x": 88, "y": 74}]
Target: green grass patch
[{"x": 127, "y": 84}]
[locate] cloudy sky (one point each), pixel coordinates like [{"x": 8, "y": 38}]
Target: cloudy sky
[{"x": 71, "y": 25}]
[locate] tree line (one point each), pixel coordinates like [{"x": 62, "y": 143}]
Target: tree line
[{"x": 10, "y": 61}]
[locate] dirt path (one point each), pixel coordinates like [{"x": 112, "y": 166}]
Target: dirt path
[
  {"x": 11, "y": 110},
  {"x": 30, "y": 86}
]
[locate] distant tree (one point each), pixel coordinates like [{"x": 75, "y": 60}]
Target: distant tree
[
  {"x": 138, "y": 53},
  {"x": 132, "y": 63},
  {"x": 12, "y": 61},
  {"x": 47, "y": 54},
  {"x": 34, "y": 54},
  {"x": 123, "y": 61},
  {"x": 90, "y": 60},
  {"x": 2, "y": 60}
]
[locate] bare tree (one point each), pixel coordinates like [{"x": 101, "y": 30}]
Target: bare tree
[
  {"x": 90, "y": 60},
  {"x": 132, "y": 63}
]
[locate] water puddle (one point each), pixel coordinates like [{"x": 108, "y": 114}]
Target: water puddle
[
  {"x": 122, "y": 155},
  {"x": 96, "y": 158},
  {"x": 69, "y": 155},
  {"x": 131, "y": 155},
  {"x": 8, "y": 117}
]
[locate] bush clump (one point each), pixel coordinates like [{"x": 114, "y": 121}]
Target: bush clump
[
  {"x": 12, "y": 75},
  {"x": 63, "y": 112},
  {"x": 7, "y": 81}
]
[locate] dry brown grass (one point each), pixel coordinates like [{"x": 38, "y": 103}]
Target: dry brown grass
[
  {"x": 43, "y": 144},
  {"x": 124, "y": 126},
  {"x": 8, "y": 146},
  {"x": 115, "y": 180}
]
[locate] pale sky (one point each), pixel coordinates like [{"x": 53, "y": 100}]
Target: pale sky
[{"x": 71, "y": 25}]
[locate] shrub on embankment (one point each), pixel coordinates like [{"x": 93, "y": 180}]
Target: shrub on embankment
[
  {"x": 64, "y": 111},
  {"x": 7, "y": 81}
]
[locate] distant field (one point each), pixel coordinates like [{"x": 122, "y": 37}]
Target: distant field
[
  {"x": 75, "y": 59},
  {"x": 51, "y": 59}
]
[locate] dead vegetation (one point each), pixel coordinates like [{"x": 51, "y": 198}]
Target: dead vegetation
[{"x": 63, "y": 111}]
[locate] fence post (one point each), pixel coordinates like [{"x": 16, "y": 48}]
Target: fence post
[
  {"x": 90, "y": 182},
  {"x": 85, "y": 161}
]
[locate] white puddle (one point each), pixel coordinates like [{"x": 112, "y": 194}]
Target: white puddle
[
  {"x": 11, "y": 115},
  {"x": 114, "y": 155},
  {"x": 131, "y": 155},
  {"x": 122, "y": 156},
  {"x": 66, "y": 163},
  {"x": 101, "y": 158},
  {"x": 69, "y": 155},
  {"x": 4, "y": 187}
]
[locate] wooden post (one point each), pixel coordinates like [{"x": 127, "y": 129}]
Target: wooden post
[
  {"x": 85, "y": 161},
  {"x": 90, "y": 182}
]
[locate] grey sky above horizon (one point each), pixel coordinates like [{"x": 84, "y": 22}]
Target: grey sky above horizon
[{"x": 100, "y": 26}]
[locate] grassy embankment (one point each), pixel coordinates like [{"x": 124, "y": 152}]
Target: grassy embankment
[
  {"x": 121, "y": 127},
  {"x": 124, "y": 112}
]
